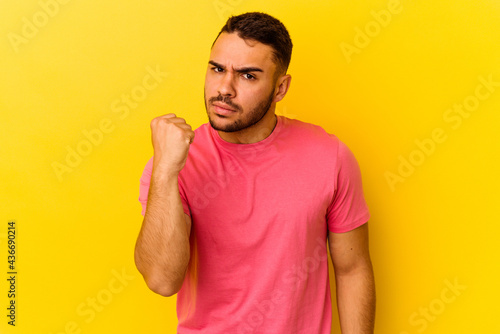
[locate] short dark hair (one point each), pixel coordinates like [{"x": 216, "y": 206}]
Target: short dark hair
[{"x": 265, "y": 29}]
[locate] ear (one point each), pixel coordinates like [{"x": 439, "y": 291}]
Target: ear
[{"x": 282, "y": 85}]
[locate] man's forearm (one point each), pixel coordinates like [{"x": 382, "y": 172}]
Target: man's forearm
[
  {"x": 162, "y": 248},
  {"x": 356, "y": 300}
]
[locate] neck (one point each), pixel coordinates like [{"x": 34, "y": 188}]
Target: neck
[{"x": 253, "y": 134}]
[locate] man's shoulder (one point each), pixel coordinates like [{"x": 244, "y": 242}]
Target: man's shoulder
[{"x": 309, "y": 131}]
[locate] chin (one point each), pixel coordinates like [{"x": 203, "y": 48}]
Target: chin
[{"x": 224, "y": 124}]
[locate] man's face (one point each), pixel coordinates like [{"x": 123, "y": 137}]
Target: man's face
[{"x": 239, "y": 83}]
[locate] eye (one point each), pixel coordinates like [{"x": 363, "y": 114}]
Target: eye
[
  {"x": 248, "y": 76},
  {"x": 217, "y": 69}
]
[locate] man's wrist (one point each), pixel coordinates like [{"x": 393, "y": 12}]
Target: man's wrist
[{"x": 164, "y": 175}]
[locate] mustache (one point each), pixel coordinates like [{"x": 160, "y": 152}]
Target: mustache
[{"x": 226, "y": 100}]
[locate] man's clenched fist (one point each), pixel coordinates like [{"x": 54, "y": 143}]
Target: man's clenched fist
[{"x": 171, "y": 137}]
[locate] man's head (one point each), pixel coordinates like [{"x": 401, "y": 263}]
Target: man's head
[
  {"x": 265, "y": 29},
  {"x": 246, "y": 75}
]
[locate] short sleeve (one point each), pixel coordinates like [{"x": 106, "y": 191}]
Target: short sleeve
[
  {"x": 145, "y": 181},
  {"x": 348, "y": 208}
]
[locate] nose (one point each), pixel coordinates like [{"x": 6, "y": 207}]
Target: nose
[{"x": 226, "y": 85}]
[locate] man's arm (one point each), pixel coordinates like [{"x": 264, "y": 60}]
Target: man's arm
[
  {"x": 162, "y": 249},
  {"x": 354, "y": 280}
]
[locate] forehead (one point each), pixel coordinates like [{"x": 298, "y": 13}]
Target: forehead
[{"x": 231, "y": 50}]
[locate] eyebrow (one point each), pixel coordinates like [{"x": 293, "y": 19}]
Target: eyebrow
[{"x": 239, "y": 70}]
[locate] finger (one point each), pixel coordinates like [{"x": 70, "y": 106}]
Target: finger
[
  {"x": 189, "y": 134},
  {"x": 175, "y": 120},
  {"x": 169, "y": 115},
  {"x": 184, "y": 126},
  {"x": 163, "y": 118},
  {"x": 191, "y": 137}
]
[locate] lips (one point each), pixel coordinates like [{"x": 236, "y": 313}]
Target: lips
[{"x": 223, "y": 109}]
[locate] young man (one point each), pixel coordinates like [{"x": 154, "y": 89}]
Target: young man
[{"x": 237, "y": 213}]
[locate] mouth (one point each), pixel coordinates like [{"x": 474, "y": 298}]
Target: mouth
[{"x": 223, "y": 109}]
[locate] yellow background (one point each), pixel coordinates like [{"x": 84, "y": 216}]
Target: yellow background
[{"x": 77, "y": 231}]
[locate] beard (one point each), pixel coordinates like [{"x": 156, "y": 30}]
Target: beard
[{"x": 249, "y": 118}]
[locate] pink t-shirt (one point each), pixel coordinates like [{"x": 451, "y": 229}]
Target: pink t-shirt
[{"x": 260, "y": 217}]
